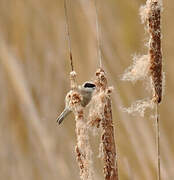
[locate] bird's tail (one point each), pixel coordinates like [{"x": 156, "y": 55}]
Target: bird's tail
[{"x": 63, "y": 115}]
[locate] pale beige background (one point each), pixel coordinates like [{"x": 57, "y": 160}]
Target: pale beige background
[{"x": 34, "y": 78}]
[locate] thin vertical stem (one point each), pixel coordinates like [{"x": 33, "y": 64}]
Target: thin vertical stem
[
  {"x": 158, "y": 143},
  {"x": 98, "y": 36},
  {"x": 68, "y": 36}
]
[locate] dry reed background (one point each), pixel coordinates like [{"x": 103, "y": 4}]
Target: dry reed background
[{"x": 34, "y": 78}]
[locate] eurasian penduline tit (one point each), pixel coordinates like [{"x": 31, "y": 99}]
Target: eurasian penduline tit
[{"x": 86, "y": 90}]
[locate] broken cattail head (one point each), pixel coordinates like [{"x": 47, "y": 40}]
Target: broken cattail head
[
  {"x": 101, "y": 81},
  {"x": 73, "y": 80}
]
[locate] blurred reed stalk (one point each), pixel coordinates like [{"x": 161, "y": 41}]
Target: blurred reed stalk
[
  {"x": 105, "y": 116},
  {"x": 82, "y": 149},
  {"x": 154, "y": 30}
]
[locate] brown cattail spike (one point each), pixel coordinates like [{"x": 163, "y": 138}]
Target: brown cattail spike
[
  {"x": 153, "y": 19},
  {"x": 107, "y": 140}
]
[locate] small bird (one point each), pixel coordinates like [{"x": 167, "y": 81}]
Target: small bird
[{"x": 86, "y": 90}]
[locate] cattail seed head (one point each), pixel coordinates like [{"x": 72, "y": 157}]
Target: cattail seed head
[
  {"x": 154, "y": 28},
  {"x": 82, "y": 149},
  {"x": 103, "y": 115}
]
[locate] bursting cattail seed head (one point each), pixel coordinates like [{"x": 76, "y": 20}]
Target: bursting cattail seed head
[{"x": 149, "y": 66}]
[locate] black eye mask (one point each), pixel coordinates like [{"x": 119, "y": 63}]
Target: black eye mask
[{"x": 89, "y": 85}]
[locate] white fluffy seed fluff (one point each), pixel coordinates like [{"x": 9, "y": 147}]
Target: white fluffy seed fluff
[
  {"x": 139, "y": 107},
  {"x": 139, "y": 69}
]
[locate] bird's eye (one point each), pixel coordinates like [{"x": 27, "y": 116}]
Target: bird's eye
[{"x": 89, "y": 85}]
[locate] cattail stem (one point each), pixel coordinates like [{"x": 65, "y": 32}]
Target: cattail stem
[
  {"x": 107, "y": 138},
  {"x": 98, "y": 36},
  {"x": 158, "y": 144},
  {"x": 68, "y": 36}
]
